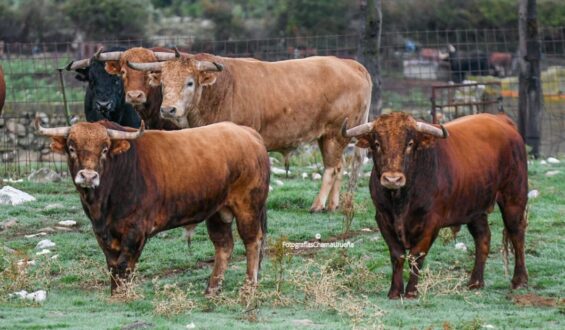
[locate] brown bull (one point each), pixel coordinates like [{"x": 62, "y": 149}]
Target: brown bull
[
  {"x": 423, "y": 180},
  {"x": 288, "y": 102},
  {"x": 133, "y": 186}
]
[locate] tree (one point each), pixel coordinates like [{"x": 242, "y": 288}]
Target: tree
[{"x": 109, "y": 19}]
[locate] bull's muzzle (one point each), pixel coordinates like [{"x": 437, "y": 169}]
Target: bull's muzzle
[
  {"x": 104, "y": 106},
  {"x": 168, "y": 112},
  {"x": 87, "y": 179},
  {"x": 136, "y": 97},
  {"x": 393, "y": 180}
]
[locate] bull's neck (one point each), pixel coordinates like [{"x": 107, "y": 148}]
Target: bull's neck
[
  {"x": 121, "y": 189},
  {"x": 150, "y": 111},
  {"x": 214, "y": 104}
]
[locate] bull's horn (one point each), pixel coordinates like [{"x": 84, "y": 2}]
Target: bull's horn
[
  {"x": 151, "y": 66},
  {"x": 177, "y": 53},
  {"x": 108, "y": 56},
  {"x": 432, "y": 130},
  {"x": 55, "y": 131},
  {"x": 121, "y": 135},
  {"x": 162, "y": 56},
  {"x": 208, "y": 66},
  {"x": 79, "y": 64},
  {"x": 357, "y": 130}
]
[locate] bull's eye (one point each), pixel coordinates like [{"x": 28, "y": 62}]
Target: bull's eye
[
  {"x": 411, "y": 144},
  {"x": 377, "y": 144},
  {"x": 190, "y": 83},
  {"x": 105, "y": 151},
  {"x": 71, "y": 149}
]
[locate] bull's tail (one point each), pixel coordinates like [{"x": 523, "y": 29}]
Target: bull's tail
[{"x": 263, "y": 219}]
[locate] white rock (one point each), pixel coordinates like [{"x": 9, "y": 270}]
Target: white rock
[
  {"x": 279, "y": 171},
  {"x": 22, "y": 294},
  {"x": 42, "y": 252},
  {"x": 270, "y": 188},
  {"x": 279, "y": 183},
  {"x": 35, "y": 235},
  {"x": 553, "y": 160},
  {"x": 67, "y": 223},
  {"x": 367, "y": 230},
  {"x": 316, "y": 176},
  {"x": 191, "y": 325},
  {"x": 304, "y": 175},
  {"x": 489, "y": 326},
  {"x": 552, "y": 173},
  {"x": 375, "y": 238},
  {"x": 273, "y": 160},
  {"x": 45, "y": 244},
  {"x": 461, "y": 246},
  {"x": 23, "y": 262},
  {"x": 367, "y": 175},
  {"x": 12, "y": 196},
  {"x": 543, "y": 162},
  {"x": 303, "y": 323},
  {"x": 55, "y": 257},
  {"x": 37, "y": 296},
  {"x": 533, "y": 193},
  {"x": 54, "y": 206}
]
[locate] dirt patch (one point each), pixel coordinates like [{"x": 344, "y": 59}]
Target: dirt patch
[{"x": 533, "y": 300}]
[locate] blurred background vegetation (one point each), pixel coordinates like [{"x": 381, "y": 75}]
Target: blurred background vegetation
[{"x": 68, "y": 20}]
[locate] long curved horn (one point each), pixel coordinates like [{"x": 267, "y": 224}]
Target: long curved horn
[
  {"x": 357, "y": 130},
  {"x": 432, "y": 130},
  {"x": 151, "y": 66},
  {"x": 55, "y": 131},
  {"x": 121, "y": 135},
  {"x": 78, "y": 64},
  {"x": 162, "y": 56},
  {"x": 108, "y": 56},
  {"x": 209, "y": 66}
]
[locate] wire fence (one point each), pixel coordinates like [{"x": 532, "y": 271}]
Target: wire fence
[{"x": 412, "y": 63}]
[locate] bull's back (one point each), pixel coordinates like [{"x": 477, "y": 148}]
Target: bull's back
[
  {"x": 295, "y": 101},
  {"x": 209, "y": 157}
]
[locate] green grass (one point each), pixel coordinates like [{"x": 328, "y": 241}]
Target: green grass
[{"x": 78, "y": 288}]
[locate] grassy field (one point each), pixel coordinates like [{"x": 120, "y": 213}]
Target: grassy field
[{"x": 319, "y": 288}]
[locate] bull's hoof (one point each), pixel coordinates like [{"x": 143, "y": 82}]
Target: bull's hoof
[
  {"x": 316, "y": 209},
  {"x": 411, "y": 295},
  {"x": 212, "y": 292},
  {"x": 475, "y": 284},
  {"x": 394, "y": 294},
  {"x": 519, "y": 283},
  {"x": 332, "y": 208}
]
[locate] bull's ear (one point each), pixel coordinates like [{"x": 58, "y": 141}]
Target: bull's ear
[
  {"x": 112, "y": 67},
  {"x": 119, "y": 146},
  {"x": 154, "y": 79},
  {"x": 363, "y": 141},
  {"x": 58, "y": 144},
  {"x": 207, "y": 79}
]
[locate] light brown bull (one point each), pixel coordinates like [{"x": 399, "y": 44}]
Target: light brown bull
[{"x": 288, "y": 102}]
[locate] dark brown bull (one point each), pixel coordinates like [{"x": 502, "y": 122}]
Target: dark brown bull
[
  {"x": 423, "y": 181},
  {"x": 2, "y": 90},
  {"x": 133, "y": 186}
]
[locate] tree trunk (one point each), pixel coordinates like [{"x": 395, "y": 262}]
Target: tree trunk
[
  {"x": 369, "y": 47},
  {"x": 530, "y": 94}
]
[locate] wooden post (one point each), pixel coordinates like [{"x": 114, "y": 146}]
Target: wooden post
[
  {"x": 530, "y": 93},
  {"x": 369, "y": 47}
]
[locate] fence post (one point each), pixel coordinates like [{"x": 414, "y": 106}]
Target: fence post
[
  {"x": 65, "y": 104},
  {"x": 530, "y": 94},
  {"x": 369, "y": 47}
]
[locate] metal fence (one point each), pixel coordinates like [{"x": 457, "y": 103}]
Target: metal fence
[{"x": 411, "y": 64}]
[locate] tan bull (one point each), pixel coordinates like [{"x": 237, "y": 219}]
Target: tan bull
[{"x": 288, "y": 102}]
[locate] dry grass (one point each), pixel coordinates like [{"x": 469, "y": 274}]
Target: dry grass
[
  {"x": 438, "y": 283},
  {"x": 128, "y": 289},
  {"x": 171, "y": 300}
]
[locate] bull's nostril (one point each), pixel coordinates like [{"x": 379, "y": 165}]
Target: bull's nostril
[{"x": 173, "y": 111}]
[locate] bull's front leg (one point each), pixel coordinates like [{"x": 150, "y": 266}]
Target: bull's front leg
[
  {"x": 121, "y": 258},
  {"x": 220, "y": 233},
  {"x": 417, "y": 256},
  {"x": 396, "y": 255}
]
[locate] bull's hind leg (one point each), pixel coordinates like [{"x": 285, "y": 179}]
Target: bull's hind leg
[
  {"x": 251, "y": 226},
  {"x": 480, "y": 230},
  {"x": 220, "y": 233},
  {"x": 515, "y": 223},
  {"x": 332, "y": 151}
]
